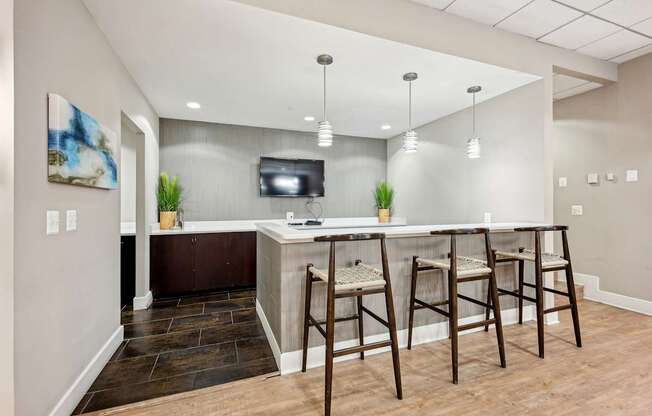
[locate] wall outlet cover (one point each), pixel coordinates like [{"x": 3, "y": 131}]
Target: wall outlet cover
[
  {"x": 610, "y": 176},
  {"x": 563, "y": 182},
  {"x": 577, "y": 210},
  {"x": 52, "y": 224},
  {"x": 632, "y": 176},
  {"x": 289, "y": 216},
  {"x": 593, "y": 179},
  {"x": 71, "y": 220},
  {"x": 487, "y": 217}
]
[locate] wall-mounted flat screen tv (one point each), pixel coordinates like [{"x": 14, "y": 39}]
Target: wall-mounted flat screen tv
[{"x": 291, "y": 177}]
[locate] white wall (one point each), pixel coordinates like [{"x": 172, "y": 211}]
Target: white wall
[
  {"x": 609, "y": 130},
  {"x": 6, "y": 208},
  {"x": 67, "y": 285},
  {"x": 128, "y": 174},
  {"x": 439, "y": 185}
]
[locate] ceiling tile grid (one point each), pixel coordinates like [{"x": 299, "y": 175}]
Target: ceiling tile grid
[{"x": 614, "y": 30}]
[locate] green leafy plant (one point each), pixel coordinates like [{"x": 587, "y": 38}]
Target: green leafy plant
[
  {"x": 168, "y": 194},
  {"x": 384, "y": 195}
]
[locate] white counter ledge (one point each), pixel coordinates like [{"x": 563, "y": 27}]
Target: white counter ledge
[
  {"x": 284, "y": 234},
  {"x": 207, "y": 227}
]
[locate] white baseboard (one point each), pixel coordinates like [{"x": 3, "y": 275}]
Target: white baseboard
[
  {"x": 269, "y": 334},
  {"x": 592, "y": 292},
  {"x": 290, "y": 362},
  {"x": 76, "y": 391},
  {"x": 143, "y": 302}
]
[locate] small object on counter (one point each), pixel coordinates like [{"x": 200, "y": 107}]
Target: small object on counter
[{"x": 313, "y": 222}]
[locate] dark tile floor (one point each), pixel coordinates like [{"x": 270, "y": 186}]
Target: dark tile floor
[{"x": 183, "y": 344}]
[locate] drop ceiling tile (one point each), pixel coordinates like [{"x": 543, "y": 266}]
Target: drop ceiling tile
[
  {"x": 586, "y": 87},
  {"x": 435, "y": 4},
  {"x": 644, "y": 27},
  {"x": 632, "y": 55},
  {"x": 564, "y": 82},
  {"x": 585, "y": 5},
  {"x": 625, "y": 12},
  {"x": 539, "y": 18},
  {"x": 488, "y": 12},
  {"x": 582, "y": 31},
  {"x": 615, "y": 45}
]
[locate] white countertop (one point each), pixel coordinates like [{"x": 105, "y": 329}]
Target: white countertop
[
  {"x": 286, "y": 235},
  {"x": 205, "y": 227}
]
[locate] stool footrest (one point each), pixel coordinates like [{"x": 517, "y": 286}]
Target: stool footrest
[
  {"x": 547, "y": 289},
  {"x": 477, "y": 302},
  {"x": 313, "y": 322},
  {"x": 376, "y": 317},
  {"x": 476, "y": 324},
  {"x": 361, "y": 348},
  {"x": 343, "y": 319},
  {"x": 516, "y": 295},
  {"x": 432, "y": 307},
  {"x": 473, "y": 278},
  {"x": 356, "y": 293},
  {"x": 558, "y": 308},
  {"x": 438, "y": 303}
]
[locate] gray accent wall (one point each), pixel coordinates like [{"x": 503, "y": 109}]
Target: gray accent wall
[
  {"x": 439, "y": 185},
  {"x": 67, "y": 286},
  {"x": 218, "y": 166},
  {"x": 609, "y": 130}
]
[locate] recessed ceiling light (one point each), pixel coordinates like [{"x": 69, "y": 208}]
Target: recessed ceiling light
[
  {"x": 385, "y": 127},
  {"x": 309, "y": 118},
  {"x": 193, "y": 105}
]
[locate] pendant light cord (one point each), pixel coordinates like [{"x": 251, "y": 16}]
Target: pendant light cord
[
  {"x": 324, "y": 93},
  {"x": 474, "y": 115}
]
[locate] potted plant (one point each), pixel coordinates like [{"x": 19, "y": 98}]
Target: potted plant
[
  {"x": 168, "y": 198},
  {"x": 384, "y": 196}
]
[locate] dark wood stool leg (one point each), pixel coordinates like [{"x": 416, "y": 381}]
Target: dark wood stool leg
[
  {"x": 306, "y": 315},
  {"x": 330, "y": 330},
  {"x": 452, "y": 308},
  {"x": 413, "y": 292},
  {"x": 570, "y": 284},
  {"x": 538, "y": 276},
  {"x": 521, "y": 271},
  {"x": 493, "y": 289},
  {"x": 391, "y": 320},
  {"x": 487, "y": 313},
  {"x": 360, "y": 324}
]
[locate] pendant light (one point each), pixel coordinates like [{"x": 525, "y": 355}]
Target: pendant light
[
  {"x": 325, "y": 130},
  {"x": 473, "y": 144},
  {"x": 410, "y": 139}
]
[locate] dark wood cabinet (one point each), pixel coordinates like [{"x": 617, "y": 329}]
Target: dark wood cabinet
[
  {"x": 186, "y": 263},
  {"x": 127, "y": 269}
]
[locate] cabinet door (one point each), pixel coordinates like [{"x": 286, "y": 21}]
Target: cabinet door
[
  {"x": 211, "y": 260},
  {"x": 127, "y": 269},
  {"x": 172, "y": 259},
  {"x": 242, "y": 259}
]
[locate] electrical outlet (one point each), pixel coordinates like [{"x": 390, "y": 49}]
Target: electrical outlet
[
  {"x": 52, "y": 224},
  {"x": 289, "y": 216},
  {"x": 611, "y": 177},
  {"x": 71, "y": 220},
  {"x": 577, "y": 210},
  {"x": 487, "y": 217},
  {"x": 593, "y": 179},
  {"x": 563, "y": 182},
  {"x": 632, "y": 176}
]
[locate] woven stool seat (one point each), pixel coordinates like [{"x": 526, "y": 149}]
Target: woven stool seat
[
  {"x": 357, "y": 277},
  {"x": 547, "y": 259},
  {"x": 466, "y": 266}
]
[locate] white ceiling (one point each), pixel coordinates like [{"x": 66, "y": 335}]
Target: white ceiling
[
  {"x": 612, "y": 30},
  {"x": 250, "y": 66}
]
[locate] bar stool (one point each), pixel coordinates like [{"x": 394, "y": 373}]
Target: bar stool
[
  {"x": 543, "y": 262},
  {"x": 459, "y": 270},
  {"x": 352, "y": 282}
]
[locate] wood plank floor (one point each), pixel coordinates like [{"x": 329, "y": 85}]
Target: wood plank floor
[{"x": 611, "y": 375}]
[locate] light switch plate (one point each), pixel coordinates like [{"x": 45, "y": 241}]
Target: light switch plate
[
  {"x": 71, "y": 220},
  {"x": 487, "y": 217},
  {"x": 563, "y": 182},
  {"x": 610, "y": 176},
  {"x": 577, "y": 210},
  {"x": 632, "y": 176},
  {"x": 52, "y": 224},
  {"x": 593, "y": 179}
]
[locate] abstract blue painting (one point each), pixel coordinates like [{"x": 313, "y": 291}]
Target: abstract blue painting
[{"x": 80, "y": 150}]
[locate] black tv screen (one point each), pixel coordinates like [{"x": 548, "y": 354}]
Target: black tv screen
[{"x": 291, "y": 177}]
